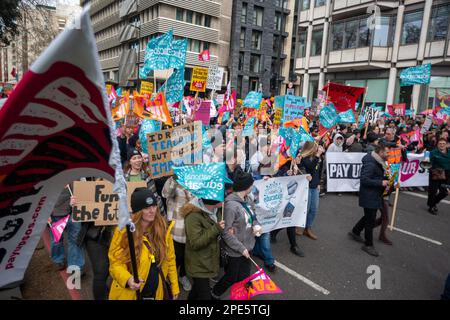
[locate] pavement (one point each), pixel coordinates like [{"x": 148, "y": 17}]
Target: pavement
[{"x": 335, "y": 267}]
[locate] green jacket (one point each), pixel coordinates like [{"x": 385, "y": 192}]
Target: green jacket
[
  {"x": 202, "y": 253},
  {"x": 440, "y": 160}
]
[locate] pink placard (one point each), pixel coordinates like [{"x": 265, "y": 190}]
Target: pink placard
[
  {"x": 58, "y": 228},
  {"x": 203, "y": 113}
]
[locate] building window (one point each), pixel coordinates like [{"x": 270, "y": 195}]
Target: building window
[
  {"x": 254, "y": 84},
  {"x": 305, "y": 4},
  {"x": 351, "y": 30},
  {"x": 258, "y": 15},
  {"x": 180, "y": 14},
  {"x": 194, "y": 45},
  {"x": 256, "y": 40},
  {"x": 239, "y": 86},
  {"x": 207, "y": 21},
  {"x": 198, "y": 19},
  {"x": 206, "y": 45},
  {"x": 242, "y": 38},
  {"x": 189, "y": 16},
  {"x": 277, "y": 21},
  {"x": 316, "y": 41},
  {"x": 244, "y": 13},
  {"x": 337, "y": 36},
  {"x": 255, "y": 63},
  {"x": 412, "y": 25},
  {"x": 437, "y": 30},
  {"x": 301, "y": 49},
  {"x": 241, "y": 61},
  {"x": 381, "y": 33},
  {"x": 363, "y": 34},
  {"x": 320, "y": 3}
]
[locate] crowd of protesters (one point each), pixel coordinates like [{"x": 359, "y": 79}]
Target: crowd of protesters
[{"x": 183, "y": 241}]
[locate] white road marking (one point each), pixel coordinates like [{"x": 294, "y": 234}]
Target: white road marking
[
  {"x": 302, "y": 278},
  {"x": 418, "y": 236},
  {"x": 419, "y": 195}
]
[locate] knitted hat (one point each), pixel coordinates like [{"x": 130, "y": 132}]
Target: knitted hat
[
  {"x": 142, "y": 198},
  {"x": 372, "y": 137},
  {"x": 242, "y": 180},
  {"x": 132, "y": 153}
]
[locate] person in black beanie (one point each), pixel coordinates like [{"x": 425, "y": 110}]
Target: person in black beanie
[{"x": 241, "y": 227}]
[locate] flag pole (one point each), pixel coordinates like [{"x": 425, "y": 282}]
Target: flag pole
[
  {"x": 362, "y": 107},
  {"x": 133, "y": 260},
  {"x": 394, "y": 209}
]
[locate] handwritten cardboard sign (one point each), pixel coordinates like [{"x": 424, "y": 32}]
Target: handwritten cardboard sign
[
  {"x": 174, "y": 147},
  {"x": 97, "y": 202}
]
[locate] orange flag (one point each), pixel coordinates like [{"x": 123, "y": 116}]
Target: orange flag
[{"x": 156, "y": 109}]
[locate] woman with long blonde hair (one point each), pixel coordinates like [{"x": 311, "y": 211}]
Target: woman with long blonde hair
[{"x": 154, "y": 250}]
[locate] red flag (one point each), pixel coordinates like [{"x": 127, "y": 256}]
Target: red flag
[
  {"x": 343, "y": 97},
  {"x": 56, "y": 128},
  {"x": 204, "y": 56},
  {"x": 14, "y": 72},
  {"x": 230, "y": 104}
]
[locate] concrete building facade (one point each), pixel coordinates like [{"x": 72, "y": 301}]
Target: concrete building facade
[
  {"x": 123, "y": 26},
  {"x": 368, "y": 43},
  {"x": 261, "y": 46}
]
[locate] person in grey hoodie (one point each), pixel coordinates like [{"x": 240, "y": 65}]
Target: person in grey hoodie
[
  {"x": 241, "y": 227},
  {"x": 337, "y": 145}
]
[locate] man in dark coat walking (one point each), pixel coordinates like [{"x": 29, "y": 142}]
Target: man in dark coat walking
[{"x": 372, "y": 185}]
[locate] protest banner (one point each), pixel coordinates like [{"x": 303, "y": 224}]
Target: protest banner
[
  {"x": 294, "y": 108},
  {"x": 155, "y": 109},
  {"x": 147, "y": 126},
  {"x": 416, "y": 75},
  {"x": 281, "y": 202},
  {"x": 328, "y": 116},
  {"x": 277, "y": 116},
  {"x": 174, "y": 86},
  {"x": 58, "y": 122},
  {"x": 157, "y": 54},
  {"x": 397, "y": 110},
  {"x": 146, "y": 88},
  {"x": 342, "y": 96},
  {"x": 344, "y": 171},
  {"x": 346, "y": 117},
  {"x": 249, "y": 128},
  {"x": 427, "y": 125},
  {"x": 206, "y": 181},
  {"x": 215, "y": 77},
  {"x": 199, "y": 79},
  {"x": 252, "y": 100},
  {"x": 256, "y": 284},
  {"x": 177, "y": 58},
  {"x": 96, "y": 201},
  {"x": 174, "y": 147},
  {"x": 371, "y": 116},
  {"x": 203, "y": 113},
  {"x": 220, "y": 98}
]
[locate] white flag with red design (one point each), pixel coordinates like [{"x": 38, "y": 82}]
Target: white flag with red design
[{"x": 56, "y": 127}]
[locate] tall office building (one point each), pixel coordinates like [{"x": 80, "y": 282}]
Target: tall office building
[
  {"x": 122, "y": 27},
  {"x": 368, "y": 43},
  {"x": 261, "y": 45}
]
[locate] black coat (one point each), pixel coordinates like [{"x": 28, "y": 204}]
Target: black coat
[{"x": 371, "y": 184}]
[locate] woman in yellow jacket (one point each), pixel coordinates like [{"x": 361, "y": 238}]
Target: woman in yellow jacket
[{"x": 154, "y": 250}]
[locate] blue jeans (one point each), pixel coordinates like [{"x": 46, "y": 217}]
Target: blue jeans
[
  {"x": 313, "y": 206},
  {"x": 263, "y": 249},
  {"x": 75, "y": 256}
]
